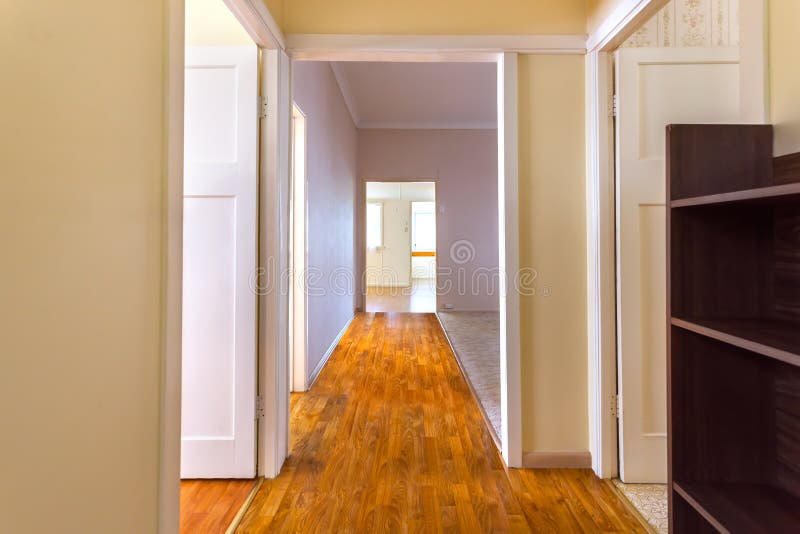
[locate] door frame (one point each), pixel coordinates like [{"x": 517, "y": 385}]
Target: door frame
[
  {"x": 445, "y": 48},
  {"x": 273, "y": 213},
  {"x": 298, "y": 357},
  {"x": 273, "y": 172},
  {"x": 600, "y": 196},
  {"x": 361, "y": 229}
]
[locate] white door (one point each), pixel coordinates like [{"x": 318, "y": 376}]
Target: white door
[
  {"x": 655, "y": 87},
  {"x": 374, "y": 231},
  {"x": 396, "y": 243},
  {"x": 219, "y": 258}
]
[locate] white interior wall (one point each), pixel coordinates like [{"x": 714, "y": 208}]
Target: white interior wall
[{"x": 423, "y": 268}]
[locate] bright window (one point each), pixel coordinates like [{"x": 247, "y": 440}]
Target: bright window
[
  {"x": 374, "y": 225},
  {"x": 423, "y": 226}
]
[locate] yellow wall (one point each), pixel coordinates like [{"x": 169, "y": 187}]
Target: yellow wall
[
  {"x": 784, "y": 44},
  {"x": 81, "y": 224},
  {"x": 210, "y": 22},
  {"x": 434, "y": 16},
  {"x": 552, "y": 207},
  {"x": 276, "y": 10},
  {"x": 597, "y": 11}
]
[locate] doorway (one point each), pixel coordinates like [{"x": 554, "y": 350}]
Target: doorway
[
  {"x": 298, "y": 324},
  {"x": 678, "y": 77},
  {"x": 219, "y": 308},
  {"x": 400, "y": 248}
]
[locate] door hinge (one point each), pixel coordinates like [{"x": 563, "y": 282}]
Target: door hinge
[
  {"x": 614, "y": 107},
  {"x": 616, "y": 406},
  {"x": 262, "y": 107},
  {"x": 259, "y": 407}
]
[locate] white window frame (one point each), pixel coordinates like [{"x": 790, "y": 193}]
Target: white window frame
[{"x": 414, "y": 225}]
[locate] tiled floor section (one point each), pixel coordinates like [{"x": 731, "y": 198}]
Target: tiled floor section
[
  {"x": 650, "y": 500},
  {"x": 419, "y": 298},
  {"x": 476, "y": 339}
]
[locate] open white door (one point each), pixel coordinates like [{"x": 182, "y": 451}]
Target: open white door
[
  {"x": 219, "y": 259},
  {"x": 655, "y": 87},
  {"x": 396, "y": 250}
]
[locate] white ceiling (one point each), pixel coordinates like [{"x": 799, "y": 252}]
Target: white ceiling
[{"x": 419, "y": 95}]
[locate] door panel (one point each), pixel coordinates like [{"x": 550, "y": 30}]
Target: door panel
[
  {"x": 219, "y": 258},
  {"x": 396, "y": 252},
  {"x": 655, "y": 87}
]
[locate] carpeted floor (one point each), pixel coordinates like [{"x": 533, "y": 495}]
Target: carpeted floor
[
  {"x": 476, "y": 339},
  {"x": 651, "y": 502}
]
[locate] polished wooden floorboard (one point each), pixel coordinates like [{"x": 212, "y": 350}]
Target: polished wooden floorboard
[
  {"x": 209, "y": 506},
  {"x": 390, "y": 439}
]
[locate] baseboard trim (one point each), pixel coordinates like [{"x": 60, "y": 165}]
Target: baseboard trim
[
  {"x": 243, "y": 508},
  {"x": 324, "y": 360},
  {"x": 557, "y": 460}
]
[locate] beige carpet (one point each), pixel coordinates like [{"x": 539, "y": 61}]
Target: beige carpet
[
  {"x": 650, "y": 500},
  {"x": 476, "y": 339}
]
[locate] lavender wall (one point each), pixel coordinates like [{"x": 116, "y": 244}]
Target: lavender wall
[
  {"x": 464, "y": 165},
  {"x": 331, "y": 168}
]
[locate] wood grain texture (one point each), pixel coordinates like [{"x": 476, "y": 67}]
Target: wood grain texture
[
  {"x": 733, "y": 364},
  {"x": 707, "y": 159},
  {"x": 209, "y": 506},
  {"x": 390, "y": 439}
]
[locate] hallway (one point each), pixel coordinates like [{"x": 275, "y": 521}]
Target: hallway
[
  {"x": 389, "y": 439},
  {"x": 420, "y": 297}
]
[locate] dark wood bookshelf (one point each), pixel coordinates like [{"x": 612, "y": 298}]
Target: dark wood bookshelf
[
  {"x": 742, "y": 507},
  {"x": 773, "y": 338},
  {"x": 770, "y": 195},
  {"x": 733, "y": 264}
]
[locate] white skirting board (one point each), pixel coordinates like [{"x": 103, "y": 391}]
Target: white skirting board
[
  {"x": 557, "y": 460},
  {"x": 324, "y": 360}
]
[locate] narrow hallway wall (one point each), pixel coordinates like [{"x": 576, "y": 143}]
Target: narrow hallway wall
[{"x": 331, "y": 174}]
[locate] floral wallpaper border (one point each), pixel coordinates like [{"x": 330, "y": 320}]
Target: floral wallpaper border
[{"x": 684, "y": 23}]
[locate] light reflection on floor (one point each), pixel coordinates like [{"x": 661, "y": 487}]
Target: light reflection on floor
[{"x": 420, "y": 297}]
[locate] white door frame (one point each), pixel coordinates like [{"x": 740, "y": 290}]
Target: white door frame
[
  {"x": 274, "y": 218},
  {"x": 298, "y": 318},
  {"x": 501, "y": 50},
  {"x": 361, "y": 217},
  {"x": 273, "y": 311},
  {"x": 600, "y": 207}
]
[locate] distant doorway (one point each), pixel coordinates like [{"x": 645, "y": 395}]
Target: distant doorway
[{"x": 401, "y": 247}]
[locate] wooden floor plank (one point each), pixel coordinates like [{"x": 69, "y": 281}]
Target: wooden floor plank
[
  {"x": 390, "y": 439},
  {"x": 209, "y": 506}
]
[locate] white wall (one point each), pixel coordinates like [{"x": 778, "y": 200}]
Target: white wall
[
  {"x": 464, "y": 163},
  {"x": 423, "y": 268},
  {"x": 331, "y": 174}
]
